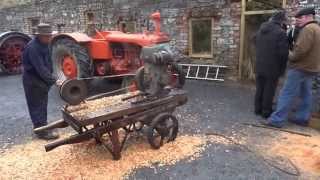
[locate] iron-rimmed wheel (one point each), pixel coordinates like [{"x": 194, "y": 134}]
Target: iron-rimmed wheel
[
  {"x": 11, "y": 48},
  {"x": 70, "y": 60},
  {"x": 163, "y": 128}
]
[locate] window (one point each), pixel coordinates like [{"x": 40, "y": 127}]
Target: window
[
  {"x": 200, "y": 44},
  {"x": 33, "y": 23},
  {"x": 89, "y": 16},
  {"x": 131, "y": 26}
]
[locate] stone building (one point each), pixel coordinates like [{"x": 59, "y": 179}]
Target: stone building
[{"x": 206, "y": 31}]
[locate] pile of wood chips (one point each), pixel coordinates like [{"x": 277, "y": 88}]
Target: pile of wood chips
[
  {"x": 89, "y": 161},
  {"x": 303, "y": 151},
  {"x": 82, "y": 110}
]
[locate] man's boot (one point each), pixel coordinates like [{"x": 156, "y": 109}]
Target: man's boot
[
  {"x": 47, "y": 135},
  {"x": 266, "y": 113}
]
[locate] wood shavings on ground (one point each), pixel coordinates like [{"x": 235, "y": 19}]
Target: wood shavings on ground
[
  {"x": 89, "y": 161},
  {"x": 80, "y": 111},
  {"x": 303, "y": 151}
]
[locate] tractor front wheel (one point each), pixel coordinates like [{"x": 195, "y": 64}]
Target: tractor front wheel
[{"x": 70, "y": 60}]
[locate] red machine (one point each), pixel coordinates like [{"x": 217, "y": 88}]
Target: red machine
[
  {"x": 76, "y": 55},
  {"x": 114, "y": 55}
]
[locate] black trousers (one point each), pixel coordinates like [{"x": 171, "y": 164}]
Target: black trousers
[
  {"x": 36, "y": 93},
  {"x": 265, "y": 91}
]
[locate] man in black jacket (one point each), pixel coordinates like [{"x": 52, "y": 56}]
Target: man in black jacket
[{"x": 272, "y": 53}]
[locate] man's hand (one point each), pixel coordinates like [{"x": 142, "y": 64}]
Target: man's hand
[
  {"x": 290, "y": 55},
  {"x": 59, "y": 82}
]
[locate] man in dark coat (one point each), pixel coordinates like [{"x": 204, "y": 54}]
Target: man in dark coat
[
  {"x": 271, "y": 53},
  {"x": 38, "y": 78}
]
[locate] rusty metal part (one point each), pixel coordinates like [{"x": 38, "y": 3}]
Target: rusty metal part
[
  {"x": 74, "y": 91},
  {"x": 159, "y": 71},
  {"x": 11, "y": 47},
  {"x": 164, "y": 128}
]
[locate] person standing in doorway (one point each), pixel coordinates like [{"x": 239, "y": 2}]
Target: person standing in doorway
[
  {"x": 271, "y": 54},
  {"x": 304, "y": 65}
]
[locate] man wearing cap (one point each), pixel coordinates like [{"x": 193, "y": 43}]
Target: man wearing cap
[
  {"x": 304, "y": 64},
  {"x": 271, "y": 54},
  {"x": 38, "y": 78}
]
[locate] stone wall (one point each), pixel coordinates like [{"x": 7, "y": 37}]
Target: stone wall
[
  {"x": 298, "y": 4},
  {"x": 175, "y": 20}
]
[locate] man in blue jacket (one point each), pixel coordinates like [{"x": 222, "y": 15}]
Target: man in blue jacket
[{"x": 38, "y": 78}]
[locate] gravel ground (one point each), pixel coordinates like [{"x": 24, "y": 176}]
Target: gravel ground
[{"x": 212, "y": 108}]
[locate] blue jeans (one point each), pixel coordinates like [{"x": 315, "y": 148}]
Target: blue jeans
[{"x": 298, "y": 85}]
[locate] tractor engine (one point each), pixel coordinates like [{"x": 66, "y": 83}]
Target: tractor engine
[
  {"x": 155, "y": 65},
  {"x": 160, "y": 72}
]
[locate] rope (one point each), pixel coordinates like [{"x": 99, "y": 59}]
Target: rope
[{"x": 277, "y": 129}]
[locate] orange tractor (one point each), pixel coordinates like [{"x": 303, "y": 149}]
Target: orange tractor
[{"x": 114, "y": 55}]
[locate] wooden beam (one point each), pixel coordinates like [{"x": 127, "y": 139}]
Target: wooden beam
[
  {"x": 284, "y": 4},
  {"x": 242, "y": 34},
  {"x": 260, "y": 12}
]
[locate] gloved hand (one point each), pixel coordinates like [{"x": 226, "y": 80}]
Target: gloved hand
[{"x": 59, "y": 82}]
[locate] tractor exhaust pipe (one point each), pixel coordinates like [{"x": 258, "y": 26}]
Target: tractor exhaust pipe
[{"x": 157, "y": 22}]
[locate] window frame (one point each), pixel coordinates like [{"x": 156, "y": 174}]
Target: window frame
[
  {"x": 200, "y": 55},
  {"x": 31, "y": 25},
  {"x": 134, "y": 23}
]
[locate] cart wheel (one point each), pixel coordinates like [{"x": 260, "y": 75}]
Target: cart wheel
[{"x": 163, "y": 128}]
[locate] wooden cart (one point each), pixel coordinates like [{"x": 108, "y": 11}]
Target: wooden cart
[{"x": 132, "y": 112}]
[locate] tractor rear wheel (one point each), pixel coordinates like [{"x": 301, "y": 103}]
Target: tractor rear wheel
[
  {"x": 70, "y": 60},
  {"x": 11, "y": 47}
]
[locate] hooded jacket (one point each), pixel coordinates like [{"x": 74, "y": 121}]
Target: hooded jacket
[{"x": 272, "y": 49}]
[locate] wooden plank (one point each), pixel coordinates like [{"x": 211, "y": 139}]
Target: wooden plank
[
  {"x": 190, "y": 37},
  {"x": 242, "y": 34},
  {"x": 284, "y": 4},
  {"x": 260, "y": 12}
]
